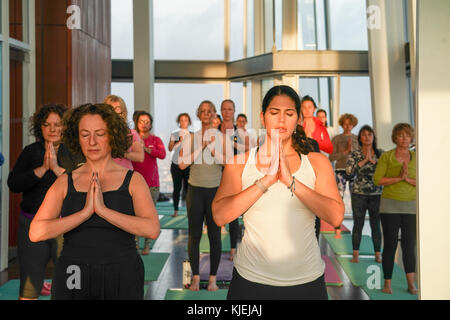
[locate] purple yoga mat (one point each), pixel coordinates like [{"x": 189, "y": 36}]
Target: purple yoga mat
[
  {"x": 225, "y": 271},
  {"x": 331, "y": 276}
]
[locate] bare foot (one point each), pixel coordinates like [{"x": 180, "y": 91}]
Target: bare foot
[
  {"x": 355, "y": 256},
  {"x": 146, "y": 251},
  {"x": 175, "y": 214},
  {"x": 195, "y": 283},
  {"x": 377, "y": 257},
  {"x": 232, "y": 253},
  {"x": 338, "y": 234},
  {"x": 224, "y": 230},
  {"x": 411, "y": 285},
  {"x": 387, "y": 287},
  {"x": 212, "y": 285}
]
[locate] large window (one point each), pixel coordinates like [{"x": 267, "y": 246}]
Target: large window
[
  {"x": 356, "y": 99},
  {"x": 189, "y": 30},
  {"x": 347, "y": 25},
  {"x": 122, "y": 29}
]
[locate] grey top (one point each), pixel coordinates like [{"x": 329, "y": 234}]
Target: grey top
[
  {"x": 339, "y": 146},
  {"x": 396, "y": 206}
]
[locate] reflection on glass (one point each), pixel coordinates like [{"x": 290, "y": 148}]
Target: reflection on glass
[{"x": 189, "y": 30}]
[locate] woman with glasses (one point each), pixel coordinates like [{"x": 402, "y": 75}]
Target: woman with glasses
[{"x": 154, "y": 149}]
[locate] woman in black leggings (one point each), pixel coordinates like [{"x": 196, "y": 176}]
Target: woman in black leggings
[
  {"x": 202, "y": 153},
  {"x": 179, "y": 177}
]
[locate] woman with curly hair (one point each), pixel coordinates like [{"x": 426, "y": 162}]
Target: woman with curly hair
[
  {"x": 281, "y": 188},
  {"x": 99, "y": 207},
  {"x": 135, "y": 152},
  {"x": 35, "y": 170},
  {"x": 343, "y": 145}
]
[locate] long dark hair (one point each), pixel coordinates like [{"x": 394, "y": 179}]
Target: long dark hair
[
  {"x": 374, "y": 143},
  {"x": 299, "y": 140}
]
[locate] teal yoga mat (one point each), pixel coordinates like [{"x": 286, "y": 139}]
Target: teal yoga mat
[
  {"x": 344, "y": 245},
  {"x": 154, "y": 264},
  {"x": 180, "y": 222},
  {"x": 363, "y": 274},
  {"x": 10, "y": 291},
  {"x": 185, "y": 294}
]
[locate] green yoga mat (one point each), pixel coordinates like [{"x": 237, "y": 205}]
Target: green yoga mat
[
  {"x": 184, "y": 294},
  {"x": 153, "y": 264},
  {"x": 180, "y": 222},
  {"x": 142, "y": 243},
  {"x": 10, "y": 291},
  {"x": 363, "y": 273},
  {"x": 344, "y": 245},
  {"x": 226, "y": 245}
]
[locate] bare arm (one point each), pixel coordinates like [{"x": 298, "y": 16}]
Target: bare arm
[
  {"x": 137, "y": 152},
  {"x": 231, "y": 201},
  {"x": 47, "y": 223},
  {"x": 325, "y": 201},
  {"x": 144, "y": 223}
]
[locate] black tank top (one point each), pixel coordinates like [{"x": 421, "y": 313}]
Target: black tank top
[{"x": 96, "y": 240}]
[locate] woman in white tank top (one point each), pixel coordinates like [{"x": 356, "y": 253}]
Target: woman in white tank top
[{"x": 280, "y": 188}]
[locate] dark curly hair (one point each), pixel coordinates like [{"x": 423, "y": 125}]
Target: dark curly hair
[
  {"x": 40, "y": 116},
  {"x": 299, "y": 140},
  {"x": 120, "y": 139},
  {"x": 137, "y": 115}
]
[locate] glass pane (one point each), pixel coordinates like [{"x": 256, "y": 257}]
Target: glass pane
[
  {"x": 172, "y": 99},
  {"x": 189, "y": 30},
  {"x": 122, "y": 29},
  {"x": 236, "y": 30},
  {"x": 126, "y": 92},
  {"x": 320, "y": 89},
  {"x": 307, "y": 35},
  {"x": 348, "y": 25},
  {"x": 250, "y": 28},
  {"x": 279, "y": 24},
  {"x": 356, "y": 99},
  {"x": 236, "y": 94}
]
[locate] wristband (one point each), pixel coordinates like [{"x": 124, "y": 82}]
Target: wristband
[{"x": 261, "y": 186}]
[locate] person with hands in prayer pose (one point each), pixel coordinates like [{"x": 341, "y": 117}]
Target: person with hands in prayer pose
[
  {"x": 36, "y": 169},
  {"x": 99, "y": 207},
  {"x": 279, "y": 189}
]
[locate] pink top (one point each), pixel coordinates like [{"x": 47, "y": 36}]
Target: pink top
[
  {"x": 149, "y": 168},
  {"x": 123, "y": 161}
]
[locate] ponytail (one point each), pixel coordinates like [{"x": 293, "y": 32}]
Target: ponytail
[{"x": 300, "y": 142}]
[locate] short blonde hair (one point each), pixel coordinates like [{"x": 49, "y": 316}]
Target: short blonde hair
[
  {"x": 349, "y": 116},
  {"x": 213, "y": 107},
  {"x": 114, "y": 98},
  {"x": 405, "y": 127}
]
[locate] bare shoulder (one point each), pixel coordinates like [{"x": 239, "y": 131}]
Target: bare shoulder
[{"x": 319, "y": 161}]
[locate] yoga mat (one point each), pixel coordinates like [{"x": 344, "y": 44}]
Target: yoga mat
[
  {"x": 225, "y": 271},
  {"x": 185, "y": 294},
  {"x": 360, "y": 274},
  {"x": 10, "y": 290},
  {"x": 325, "y": 227},
  {"x": 331, "y": 276},
  {"x": 226, "y": 245},
  {"x": 179, "y": 222},
  {"x": 153, "y": 264},
  {"x": 344, "y": 245},
  {"x": 142, "y": 243}
]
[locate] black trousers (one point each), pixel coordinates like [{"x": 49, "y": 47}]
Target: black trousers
[
  {"x": 391, "y": 224},
  {"x": 33, "y": 258},
  {"x": 198, "y": 202},
  {"x": 180, "y": 179},
  {"x": 234, "y": 233},
  {"x": 242, "y": 289}
]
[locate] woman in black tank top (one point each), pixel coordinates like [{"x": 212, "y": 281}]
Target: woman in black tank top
[{"x": 99, "y": 208}]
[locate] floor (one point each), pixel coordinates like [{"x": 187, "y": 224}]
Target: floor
[{"x": 175, "y": 243}]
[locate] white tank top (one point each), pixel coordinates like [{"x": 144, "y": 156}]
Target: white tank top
[{"x": 279, "y": 246}]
